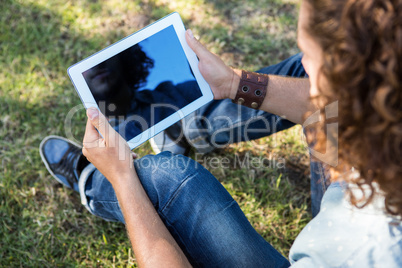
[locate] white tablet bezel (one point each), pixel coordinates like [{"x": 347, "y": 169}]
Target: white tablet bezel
[{"x": 76, "y": 76}]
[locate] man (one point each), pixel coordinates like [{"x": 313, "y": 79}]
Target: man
[{"x": 177, "y": 214}]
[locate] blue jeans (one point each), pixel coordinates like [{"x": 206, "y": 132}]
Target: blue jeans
[{"x": 201, "y": 215}]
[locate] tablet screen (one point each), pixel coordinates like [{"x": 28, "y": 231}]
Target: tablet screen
[{"x": 144, "y": 84}]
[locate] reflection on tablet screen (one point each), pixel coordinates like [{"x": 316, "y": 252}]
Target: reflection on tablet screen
[{"x": 143, "y": 84}]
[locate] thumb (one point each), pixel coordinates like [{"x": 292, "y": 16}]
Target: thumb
[
  {"x": 100, "y": 122},
  {"x": 195, "y": 45}
]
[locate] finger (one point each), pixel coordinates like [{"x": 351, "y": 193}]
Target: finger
[
  {"x": 196, "y": 46},
  {"x": 135, "y": 156},
  {"x": 90, "y": 132},
  {"x": 86, "y": 154},
  {"x": 91, "y": 136},
  {"x": 100, "y": 122}
]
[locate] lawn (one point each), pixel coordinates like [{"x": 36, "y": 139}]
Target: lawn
[{"x": 43, "y": 224}]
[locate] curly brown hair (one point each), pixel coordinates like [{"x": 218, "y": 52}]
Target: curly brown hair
[{"x": 362, "y": 70}]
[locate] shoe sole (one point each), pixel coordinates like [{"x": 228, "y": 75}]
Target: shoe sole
[
  {"x": 44, "y": 158},
  {"x": 154, "y": 147}
]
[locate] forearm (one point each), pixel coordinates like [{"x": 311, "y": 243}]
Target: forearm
[
  {"x": 286, "y": 96},
  {"x": 152, "y": 243}
]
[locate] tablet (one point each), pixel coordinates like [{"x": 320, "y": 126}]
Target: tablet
[{"x": 145, "y": 82}]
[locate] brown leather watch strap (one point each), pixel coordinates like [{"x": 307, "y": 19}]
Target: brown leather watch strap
[{"x": 252, "y": 89}]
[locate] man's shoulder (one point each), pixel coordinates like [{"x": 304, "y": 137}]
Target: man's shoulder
[{"x": 343, "y": 235}]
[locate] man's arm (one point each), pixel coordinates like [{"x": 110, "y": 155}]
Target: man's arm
[
  {"x": 286, "y": 97},
  {"x": 152, "y": 243}
]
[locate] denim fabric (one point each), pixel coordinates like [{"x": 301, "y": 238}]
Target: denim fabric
[{"x": 201, "y": 215}]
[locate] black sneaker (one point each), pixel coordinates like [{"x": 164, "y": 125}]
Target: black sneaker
[{"x": 63, "y": 159}]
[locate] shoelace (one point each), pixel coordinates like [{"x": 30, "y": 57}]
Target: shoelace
[{"x": 66, "y": 165}]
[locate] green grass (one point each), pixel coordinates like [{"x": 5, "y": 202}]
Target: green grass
[{"x": 43, "y": 224}]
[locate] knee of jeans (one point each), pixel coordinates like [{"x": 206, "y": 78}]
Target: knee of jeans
[
  {"x": 164, "y": 163},
  {"x": 162, "y": 174}
]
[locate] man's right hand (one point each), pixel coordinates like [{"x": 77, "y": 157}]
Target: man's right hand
[
  {"x": 110, "y": 154},
  {"x": 222, "y": 79}
]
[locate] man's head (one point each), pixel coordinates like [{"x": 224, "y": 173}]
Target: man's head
[{"x": 353, "y": 55}]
